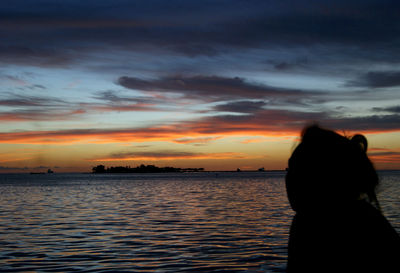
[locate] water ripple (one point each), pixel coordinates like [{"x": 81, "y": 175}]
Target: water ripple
[{"x": 148, "y": 223}]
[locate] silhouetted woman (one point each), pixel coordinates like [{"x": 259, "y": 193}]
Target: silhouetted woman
[{"x": 338, "y": 226}]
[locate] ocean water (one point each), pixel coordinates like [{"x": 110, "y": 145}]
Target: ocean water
[{"x": 184, "y": 222}]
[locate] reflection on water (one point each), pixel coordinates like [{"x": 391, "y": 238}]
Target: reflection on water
[
  {"x": 389, "y": 197},
  {"x": 236, "y": 222}
]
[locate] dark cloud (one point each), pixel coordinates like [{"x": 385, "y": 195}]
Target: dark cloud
[
  {"x": 38, "y": 55},
  {"x": 269, "y": 121},
  {"x": 377, "y": 79},
  {"x": 166, "y": 155},
  {"x": 391, "y": 109},
  {"x": 283, "y": 66},
  {"x": 36, "y": 86},
  {"x": 31, "y": 101},
  {"x": 35, "y": 108},
  {"x": 266, "y": 121},
  {"x": 241, "y": 106},
  {"x": 211, "y": 88},
  {"x": 289, "y": 65},
  {"x": 365, "y": 123},
  {"x": 183, "y": 56},
  {"x": 194, "y": 49},
  {"x": 111, "y": 96},
  {"x": 370, "y": 23},
  {"x": 115, "y": 98},
  {"x": 194, "y": 27},
  {"x": 112, "y": 101},
  {"x": 157, "y": 154}
]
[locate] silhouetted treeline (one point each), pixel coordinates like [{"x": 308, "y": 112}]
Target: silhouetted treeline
[{"x": 142, "y": 169}]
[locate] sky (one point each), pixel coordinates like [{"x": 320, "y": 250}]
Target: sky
[{"x": 220, "y": 84}]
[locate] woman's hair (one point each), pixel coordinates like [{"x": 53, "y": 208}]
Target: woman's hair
[{"x": 327, "y": 170}]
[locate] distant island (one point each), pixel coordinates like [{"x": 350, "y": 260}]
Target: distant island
[{"x": 143, "y": 169}]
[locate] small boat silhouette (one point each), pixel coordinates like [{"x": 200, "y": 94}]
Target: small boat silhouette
[{"x": 48, "y": 171}]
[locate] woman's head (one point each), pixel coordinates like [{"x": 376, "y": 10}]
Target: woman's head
[{"x": 327, "y": 170}]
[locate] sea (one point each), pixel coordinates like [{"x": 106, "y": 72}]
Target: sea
[{"x": 176, "y": 222}]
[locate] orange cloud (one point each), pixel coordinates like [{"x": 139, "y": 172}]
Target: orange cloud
[
  {"x": 168, "y": 155},
  {"x": 381, "y": 155},
  {"x": 265, "y": 123},
  {"x": 12, "y": 158},
  {"x": 196, "y": 132},
  {"x": 197, "y": 140},
  {"x": 87, "y": 136},
  {"x": 255, "y": 140}
]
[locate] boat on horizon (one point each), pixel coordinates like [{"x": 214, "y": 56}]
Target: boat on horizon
[{"x": 48, "y": 171}]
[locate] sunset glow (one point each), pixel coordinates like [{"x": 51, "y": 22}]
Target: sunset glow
[{"x": 219, "y": 85}]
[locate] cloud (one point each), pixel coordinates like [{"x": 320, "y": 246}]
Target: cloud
[
  {"x": 161, "y": 133},
  {"x": 39, "y": 115},
  {"x": 257, "y": 140},
  {"x": 36, "y": 108},
  {"x": 289, "y": 65},
  {"x": 384, "y": 155},
  {"x": 41, "y": 167},
  {"x": 372, "y": 123},
  {"x": 184, "y": 132},
  {"x": 36, "y": 86},
  {"x": 167, "y": 155},
  {"x": 283, "y": 66},
  {"x": 15, "y": 80},
  {"x": 391, "y": 109},
  {"x": 3, "y": 168},
  {"x": 29, "y": 108},
  {"x": 210, "y": 88},
  {"x": 38, "y": 55},
  {"x": 121, "y": 107},
  {"x": 31, "y": 101},
  {"x": 291, "y": 24},
  {"x": 111, "y": 101},
  {"x": 192, "y": 28},
  {"x": 377, "y": 79},
  {"x": 113, "y": 97},
  {"x": 20, "y": 83},
  {"x": 194, "y": 50},
  {"x": 196, "y": 140},
  {"x": 265, "y": 122},
  {"x": 244, "y": 106},
  {"x": 290, "y": 122},
  {"x": 183, "y": 56}
]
